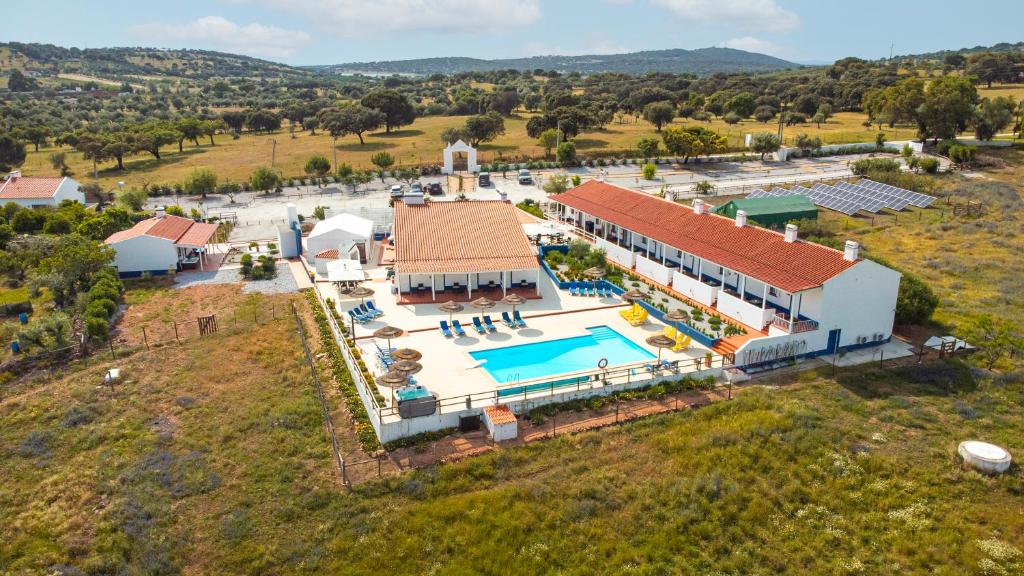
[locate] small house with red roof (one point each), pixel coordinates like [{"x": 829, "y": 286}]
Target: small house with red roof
[
  {"x": 36, "y": 191},
  {"x": 161, "y": 244},
  {"x": 771, "y": 281}
]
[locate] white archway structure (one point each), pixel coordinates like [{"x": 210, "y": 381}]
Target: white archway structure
[{"x": 460, "y": 146}]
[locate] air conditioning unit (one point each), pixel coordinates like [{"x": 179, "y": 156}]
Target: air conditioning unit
[{"x": 862, "y": 339}]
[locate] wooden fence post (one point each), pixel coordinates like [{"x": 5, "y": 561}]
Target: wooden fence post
[
  {"x": 145, "y": 339},
  {"x": 175, "y": 322}
]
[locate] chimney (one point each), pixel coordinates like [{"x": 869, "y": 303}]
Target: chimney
[
  {"x": 791, "y": 233},
  {"x": 698, "y": 206},
  {"x": 503, "y": 195},
  {"x": 852, "y": 251},
  {"x": 741, "y": 218},
  {"x": 292, "y": 213},
  {"x": 15, "y": 175},
  {"x": 160, "y": 212}
]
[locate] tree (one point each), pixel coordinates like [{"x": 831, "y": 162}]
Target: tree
[
  {"x": 649, "y": 170},
  {"x": 566, "y": 153},
  {"x": 264, "y": 179},
  {"x": 556, "y": 184},
  {"x": 397, "y": 109},
  {"x": 742, "y": 104},
  {"x": 262, "y": 121},
  {"x": 704, "y": 187},
  {"x": 504, "y": 101},
  {"x": 806, "y": 104},
  {"x": 993, "y": 115},
  {"x": 764, "y": 143},
  {"x": 954, "y": 60},
  {"x": 988, "y": 68},
  {"x": 383, "y": 161},
  {"x": 351, "y": 119},
  {"x": 200, "y": 183},
  {"x": 692, "y": 141},
  {"x": 764, "y": 114},
  {"x": 68, "y": 266},
  {"x": 659, "y": 113},
  {"x": 35, "y": 135},
  {"x": 547, "y": 140},
  {"x": 451, "y": 134},
  {"x": 150, "y": 136},
  {"x": 234, "y": 120},
  {"x": 648, "y": 147},
  {"x": 133, "y": 199},
  {"x": 18, "y": 82},
  {"x": 59, "y": 161},
  {"x": 915, "y": 301},
  {"x": 12, "y": 152},
  {"x": 483, "y": 128},
  {"x": 947, "y": 109},
  {"x": 188, "y": 129},
  {"x": 807, "y": 144},
  {"x": 209, "y": 128},
  {"x": 319, "y": 166},
  {"x": 995, "y": 337},
  {"x": 731, "y": 118}
]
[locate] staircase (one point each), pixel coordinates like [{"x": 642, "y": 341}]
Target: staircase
[{"x": 603, "y": 333}]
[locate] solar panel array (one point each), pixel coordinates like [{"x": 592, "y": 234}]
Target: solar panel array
[{"x": 847, "y": 198}]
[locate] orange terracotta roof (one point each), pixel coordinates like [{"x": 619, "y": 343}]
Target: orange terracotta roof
[
  {"x": 756, "y": 252},
  {"x": 458, "y": 237},
  {"x": 174, "y": 228},
  {"x": 30, "y": 187},
  {"x": 329, "y": 254},
  {"x": 500, "y": 414}
]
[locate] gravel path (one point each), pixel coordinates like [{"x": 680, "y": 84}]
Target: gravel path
[{"x": 284, "y": 282}]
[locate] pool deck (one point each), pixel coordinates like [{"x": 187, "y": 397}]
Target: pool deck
[{"x": 448, "y": 369}]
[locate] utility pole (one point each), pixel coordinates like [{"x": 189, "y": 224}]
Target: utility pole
[
  {"x": 273, "y": 151},
  {"x": 335, "y": 148}
]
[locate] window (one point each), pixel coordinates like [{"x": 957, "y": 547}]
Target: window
[
  {"x": 679, "y": 253},
  {"x": 643, "y": 240},
  {"x": 773, "y": 291}
]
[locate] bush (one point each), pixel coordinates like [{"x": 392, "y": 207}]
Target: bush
[
  {"x": 100, "y": 308},
  {"x": 97, "y": 329},
  {"x": 862, "y": 167},
  {"x": 649, "y": 171},
  {"x": 929, "y": 165},
  {"x": 916, "y": 301}
]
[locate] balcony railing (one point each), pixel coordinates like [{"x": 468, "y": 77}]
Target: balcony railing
[{"x": 781, "y": 322}]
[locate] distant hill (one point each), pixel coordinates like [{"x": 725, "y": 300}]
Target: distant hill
[
  {"x": 938, "y": 55},
  {"x": 702, "y": 61},
  {"x": 126, "y": 63}
]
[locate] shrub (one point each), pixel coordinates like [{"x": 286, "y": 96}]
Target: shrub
[
  {"x": 649, "y": 171},
  {"x": 929, "y": 165},
  {"x": 97, "y": 329},
  {"x": 862, "y": 167},
  {"x": 100, "y": 308},
  {"x": 916, "y": 301}
]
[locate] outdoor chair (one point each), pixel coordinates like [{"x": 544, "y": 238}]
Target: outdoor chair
[
  {"x": 478, "y": 326},
  {"x": 573, "y": 289},
  {"x": 373, "y": 308},
  {"x": 507, "y": 320},
  {"x": 359, "y": 318},
  {"x": 445, "y": 330},
  {"x": 519, "y": 319},
  {"x": 490, "y": 325},
  {"x": 457, "y": 326}
]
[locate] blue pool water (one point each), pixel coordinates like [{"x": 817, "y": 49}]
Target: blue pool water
[{"x": 541, "y": 359}]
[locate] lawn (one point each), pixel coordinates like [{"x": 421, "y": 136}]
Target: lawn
[{"x": 419, "y": 143}]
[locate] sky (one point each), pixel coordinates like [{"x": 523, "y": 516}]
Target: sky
[{"x": 305, "y": 32}]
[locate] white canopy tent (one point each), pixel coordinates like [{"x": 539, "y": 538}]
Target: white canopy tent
[{"x": 345, "y": 271}]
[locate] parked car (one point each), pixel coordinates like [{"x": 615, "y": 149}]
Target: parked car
[
  {"x": 416, "y": 188},
  {"x": 485, "y": 179},
  {"x": 524, "y": 177},
  {"x": 434, "y": 189},
  {"x": 396, "y": 191}
]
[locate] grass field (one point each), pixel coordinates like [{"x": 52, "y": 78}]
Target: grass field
[{"x": 419, "y": 143}]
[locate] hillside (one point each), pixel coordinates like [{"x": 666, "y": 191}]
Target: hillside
[
  {"x": 1002, "y": 47},
  {"x": 125, "y": 63},
  {"x": 678, "y": 61}
]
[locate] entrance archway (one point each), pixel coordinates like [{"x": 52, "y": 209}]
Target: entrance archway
[{"x": 460, "y": 147}]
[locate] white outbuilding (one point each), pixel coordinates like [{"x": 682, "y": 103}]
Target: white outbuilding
[
  {"x": 161, "y": 244},
  {"x": 339, "y": 233},
  {"x": 34, "y": 191}
]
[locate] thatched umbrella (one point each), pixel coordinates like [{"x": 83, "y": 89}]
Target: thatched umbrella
[
  {"x": 451, "y": 307},
  {"x": 514, "y": 300},
  {"x": 393, "y": 379},
  {"x": 388, "y": 332},
  {"x": 483, "y": 303},
  {"x": 634, "y": 295},
  {"x": 406, "y": 354},
  {"x": 361, "y": 292},
  {"x": 595, "y": 273},
  {"x": 660, "y": 341},
  {"x": 407, "y": 366},
  {"x": 677, "y": 316}
]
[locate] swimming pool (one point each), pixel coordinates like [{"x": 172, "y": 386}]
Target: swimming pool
[{"x": 579, "y": 353}]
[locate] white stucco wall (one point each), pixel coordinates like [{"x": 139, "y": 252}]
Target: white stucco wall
[
  {"x": 145, "y": 254},
  {"x": 861, "y": 301},
  {"x": 69, "y": 190},
  {"x": 616, "y": 253},
  {"x": 653, "y": 270}
]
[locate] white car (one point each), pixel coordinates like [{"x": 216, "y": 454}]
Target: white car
[{"x": 396, "y": 191}]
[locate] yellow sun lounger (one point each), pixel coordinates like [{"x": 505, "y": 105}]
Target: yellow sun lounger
[{"x": 682, "y": 343}]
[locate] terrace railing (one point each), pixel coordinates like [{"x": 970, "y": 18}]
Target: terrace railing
[{"x": 781, "y": 322}]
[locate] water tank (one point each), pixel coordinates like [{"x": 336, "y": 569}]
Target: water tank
[{"x": 985, "y": 457}]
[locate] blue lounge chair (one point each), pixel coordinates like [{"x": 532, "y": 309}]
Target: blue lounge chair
[
  {"x": 365, "y": 311},
  {"x": 573, "y": 289},
  {"x": 591, "y": 291},
  {"x": 372, "y": 308},
  {"x": 478, "y": 326},
  {"x": 445, "y": 330},
  {"x": 457, "y": 326},
  {"x": 490, "y": 325},
  {"x": 507, "y": 320},
  {"x": 519, "y": 319},
  {"x": 359, "y": 318}
]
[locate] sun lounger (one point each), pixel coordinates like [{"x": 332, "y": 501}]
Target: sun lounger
[
  {"x": 478, "y": 326},
  {"x": 457, "y": 326},
  {"x": 508, "y": 320},
  {"x": 574, "y": 289},
  {"x": 445, "y": 330},
  {"x": 372, "y": 308},
  {"x": 490, "y": 325},
  {"x": 359, "y": 318},
  {"x": 519, "y": 319},
  {"x": 682, "y": 343}
]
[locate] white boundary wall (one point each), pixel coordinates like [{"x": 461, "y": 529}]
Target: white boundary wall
[
  {"x": 617, "y": 254},
  {"x": 653, "y": 270},
  {"x": 694, "y": 288}
]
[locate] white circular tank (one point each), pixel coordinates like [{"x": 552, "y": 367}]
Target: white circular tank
[{"x": 984, "y": 456}]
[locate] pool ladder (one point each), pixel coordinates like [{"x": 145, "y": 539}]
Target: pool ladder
[{"x": 512, "y": 379}]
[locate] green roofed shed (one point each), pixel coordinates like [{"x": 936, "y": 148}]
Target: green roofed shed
[{"x": 771, "y": 212}]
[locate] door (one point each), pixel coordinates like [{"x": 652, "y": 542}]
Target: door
[{"x": 833, "y": 340}]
